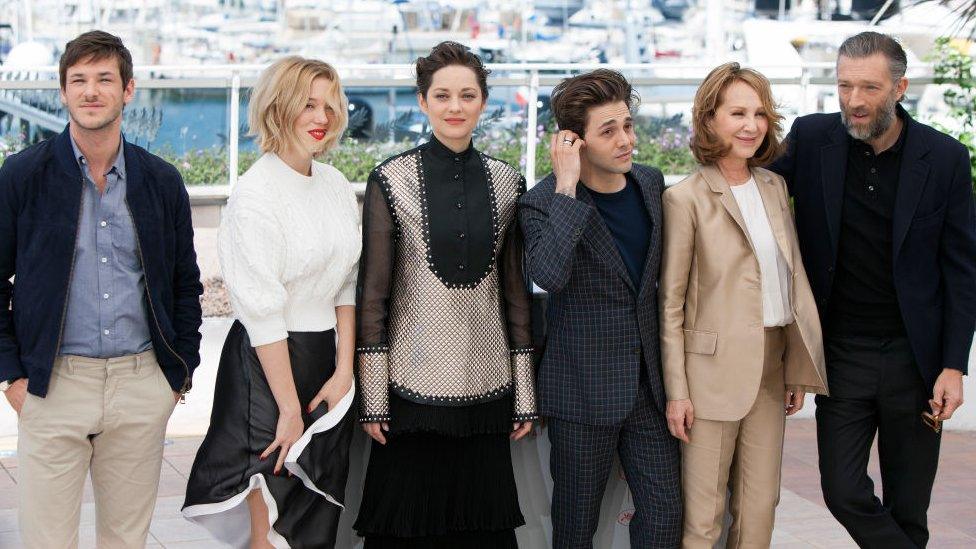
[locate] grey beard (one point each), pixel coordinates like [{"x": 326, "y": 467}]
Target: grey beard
[{"x": 884, "y": 120}]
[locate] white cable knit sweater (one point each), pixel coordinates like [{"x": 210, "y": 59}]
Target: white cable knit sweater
[{"x": 289, "y": 248}]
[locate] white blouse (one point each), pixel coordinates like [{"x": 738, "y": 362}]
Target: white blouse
[
  {"x": 289, "y": 248},
  {"x": 775, "y": 273}
]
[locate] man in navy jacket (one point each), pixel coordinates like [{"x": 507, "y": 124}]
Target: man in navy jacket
[
  {"x": 592, "y": 233},
  {"x": 885, "y": 215},
  {"x": 99, "y": 329}
]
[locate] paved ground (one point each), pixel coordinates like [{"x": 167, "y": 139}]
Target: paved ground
[{"x": 802, "y": 520}]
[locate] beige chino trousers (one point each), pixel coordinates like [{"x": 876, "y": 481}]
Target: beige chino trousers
[
  {"x": 744, "y": 456},
  {"x": 106, "y": 416}
]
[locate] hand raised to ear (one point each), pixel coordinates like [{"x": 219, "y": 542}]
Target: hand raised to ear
[{"x": 564, "y": 151}]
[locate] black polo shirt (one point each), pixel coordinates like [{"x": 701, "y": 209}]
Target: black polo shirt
[{"x": 863, "y": 300}]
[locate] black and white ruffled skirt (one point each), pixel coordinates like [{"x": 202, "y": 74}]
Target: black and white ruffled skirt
[{"x": 303, "y": 508}]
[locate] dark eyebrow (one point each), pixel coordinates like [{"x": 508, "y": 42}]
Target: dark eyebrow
[
  {"x": 469, "y": 88},
  {"x": 612, "y": 121}
]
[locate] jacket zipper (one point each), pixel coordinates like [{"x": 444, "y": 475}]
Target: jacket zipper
[
  {"x": 71, "y": 273},
  {"x": 186, "y": 380}
]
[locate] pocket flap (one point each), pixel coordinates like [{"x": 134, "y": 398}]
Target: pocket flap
[{"x": 702, "y": 343}]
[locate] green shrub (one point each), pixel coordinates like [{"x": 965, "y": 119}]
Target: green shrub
[
  {"x": 663, "y": 144},
  {"x": 953, "y": 67}
]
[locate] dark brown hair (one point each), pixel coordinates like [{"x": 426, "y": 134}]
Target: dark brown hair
[
  {"x": 705, "y": 145},
  {"x": 572, "y": 98},
  {"x": 446, "y": 54},
  {"x": 94, "y": 46}
]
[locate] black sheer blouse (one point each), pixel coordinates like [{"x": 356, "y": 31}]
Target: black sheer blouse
[{"x": 443, "y": 309}]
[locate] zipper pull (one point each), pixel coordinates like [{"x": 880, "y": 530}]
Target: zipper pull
[{"x": 184, "y": 389}]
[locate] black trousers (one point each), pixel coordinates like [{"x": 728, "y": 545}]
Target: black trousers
[
  {"x": 580, "y": 460},
  {"x": 875, "y": 388}
]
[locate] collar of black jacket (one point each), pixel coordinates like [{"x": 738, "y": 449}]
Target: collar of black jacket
[{"x": 64, "y": 154}]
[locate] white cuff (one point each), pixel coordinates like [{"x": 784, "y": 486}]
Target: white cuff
[{"x": 262, "y": 331}]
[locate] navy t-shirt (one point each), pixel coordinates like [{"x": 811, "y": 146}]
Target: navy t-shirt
[{"x": 630, "y": 224}]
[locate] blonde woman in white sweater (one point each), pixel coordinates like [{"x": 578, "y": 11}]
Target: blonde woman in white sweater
[{"x": 289, "y": 247}]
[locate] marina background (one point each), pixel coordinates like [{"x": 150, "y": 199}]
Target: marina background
[{"x": 197, "y": 59}]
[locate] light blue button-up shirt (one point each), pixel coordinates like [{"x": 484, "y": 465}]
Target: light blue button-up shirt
[{"x": 106, "y": 315}]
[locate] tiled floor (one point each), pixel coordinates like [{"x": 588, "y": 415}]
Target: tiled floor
[{"x": 802, "y": 520}]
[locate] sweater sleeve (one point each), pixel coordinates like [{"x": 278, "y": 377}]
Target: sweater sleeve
[
  {"x": 347, "y": 291},
  {"x": 252, "y": 261}
]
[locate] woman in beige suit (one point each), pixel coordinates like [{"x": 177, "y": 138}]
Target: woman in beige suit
[{"x": 740, "y": 335}]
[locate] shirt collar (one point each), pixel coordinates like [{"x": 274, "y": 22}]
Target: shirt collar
[
  {"x": 896, "y": 148},
  {"x": 441, "y": 152},
  {"x": 118, "y": 165}
]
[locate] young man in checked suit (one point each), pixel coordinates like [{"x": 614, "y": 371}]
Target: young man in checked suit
[{"x": 593, "y": 241}]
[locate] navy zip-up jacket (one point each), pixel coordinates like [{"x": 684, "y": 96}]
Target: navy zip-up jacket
[{"x": 40, "y": 207}]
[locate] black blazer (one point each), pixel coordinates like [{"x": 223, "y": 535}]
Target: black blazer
[
  {"x": 934, "y": 241},
  {"x": 599, "y": 324}
]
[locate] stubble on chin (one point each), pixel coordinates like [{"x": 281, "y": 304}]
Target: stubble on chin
[{"x": 94, "y": 125}]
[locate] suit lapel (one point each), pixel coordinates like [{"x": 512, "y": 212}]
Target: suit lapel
[
  {"x": 774, "y": 212},
  {"x": 717, "y": 183},
  {"x": 652, "y": 201},
  {"x": 912, "y": 177},
  {"x": 833, "y": 172},
  {"x": 599, "y": 238}
]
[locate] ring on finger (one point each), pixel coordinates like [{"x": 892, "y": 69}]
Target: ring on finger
[{"x": 567, "y": 142}]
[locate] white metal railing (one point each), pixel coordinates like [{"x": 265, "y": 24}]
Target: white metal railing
[{"x": 531, "y": 77}]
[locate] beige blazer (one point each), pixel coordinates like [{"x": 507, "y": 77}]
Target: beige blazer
[{"x": 711, "y": 300}]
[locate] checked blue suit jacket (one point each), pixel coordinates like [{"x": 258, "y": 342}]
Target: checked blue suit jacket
[{"x": 601, "y": 329}]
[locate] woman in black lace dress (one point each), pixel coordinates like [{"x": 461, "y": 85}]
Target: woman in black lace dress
[{"x": 444, "y": 347}]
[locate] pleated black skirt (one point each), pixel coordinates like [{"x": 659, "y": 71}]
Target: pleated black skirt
[
  {"x": 304, "y": 507},
  {"x": 444, "y": 479}
]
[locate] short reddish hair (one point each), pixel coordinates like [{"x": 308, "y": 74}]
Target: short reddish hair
[{"x": 705, "y": 145}]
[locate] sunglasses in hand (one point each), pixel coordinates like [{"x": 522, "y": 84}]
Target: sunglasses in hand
[{"x": 934, "y": 421}]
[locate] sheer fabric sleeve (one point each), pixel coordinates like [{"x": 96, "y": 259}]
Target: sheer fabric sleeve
[
  {"x": 518, "y": 314},
  {"x": 372, "y": 304}
]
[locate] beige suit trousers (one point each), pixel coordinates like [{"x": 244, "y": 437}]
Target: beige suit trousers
[
  {"x": 109, "y": 417},
  {"x": 743, "y": 456}
]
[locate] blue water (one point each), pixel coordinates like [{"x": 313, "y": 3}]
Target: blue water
[
  {"x": 182, "y": 120},
  {"x": 185, "y": 120}
]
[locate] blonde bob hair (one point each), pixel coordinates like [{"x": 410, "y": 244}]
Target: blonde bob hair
[
  {"x": 705, "y": 145},
  {"x": 280, "y": 96}
]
